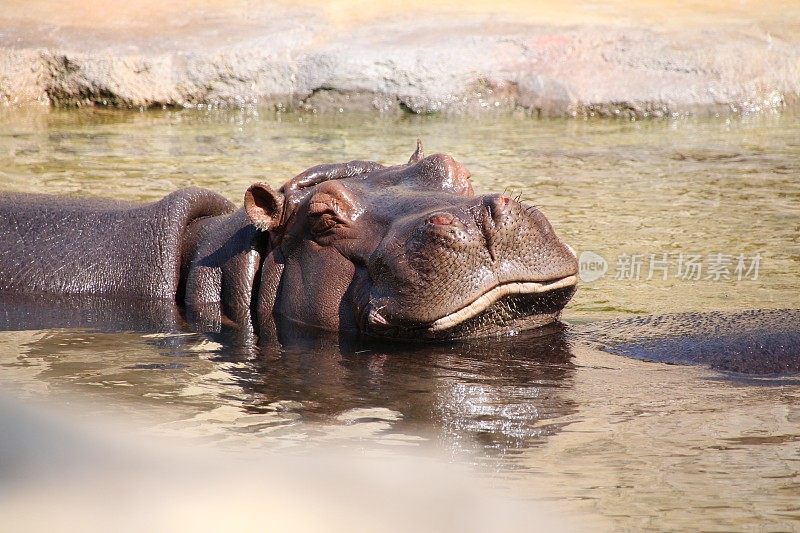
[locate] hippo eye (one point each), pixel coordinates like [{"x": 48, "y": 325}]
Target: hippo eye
[
  {"x": 323, "y": 222},
  {"x": 325, "y": 213}
]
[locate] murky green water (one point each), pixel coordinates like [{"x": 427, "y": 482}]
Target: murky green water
[{"x": 641, "y": 445}]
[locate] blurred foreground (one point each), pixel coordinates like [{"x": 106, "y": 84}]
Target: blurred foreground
[{"x": 66, "y": 473}]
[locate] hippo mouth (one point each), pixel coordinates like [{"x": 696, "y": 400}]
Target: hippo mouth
[
  {"x": 505, "y": 309},
  {"x": 492, "y": 296}
]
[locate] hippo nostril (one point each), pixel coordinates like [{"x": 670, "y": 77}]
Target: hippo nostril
[
  {"x": 499, "y": 204},
  {"x": 496, "y": 206},
  {"x": 441, "y": 219}
]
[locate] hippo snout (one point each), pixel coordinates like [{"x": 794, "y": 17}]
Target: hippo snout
[{"x": 453, "y": 265}]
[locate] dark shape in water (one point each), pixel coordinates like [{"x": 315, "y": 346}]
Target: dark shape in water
[{"x": 756, "y": 342}]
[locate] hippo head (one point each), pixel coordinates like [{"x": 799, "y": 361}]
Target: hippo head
[{"x": 406, "y": 251}]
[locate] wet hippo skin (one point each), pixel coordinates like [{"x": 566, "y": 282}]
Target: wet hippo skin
[{"x": 58, "y": 245}]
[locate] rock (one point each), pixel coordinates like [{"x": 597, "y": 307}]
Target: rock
[{"x": 296, "y": 58}]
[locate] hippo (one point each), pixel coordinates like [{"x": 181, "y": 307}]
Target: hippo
[{"x": 406, "y": 252}]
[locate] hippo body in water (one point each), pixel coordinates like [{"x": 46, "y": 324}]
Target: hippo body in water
[{"x": 404, "y": 251}]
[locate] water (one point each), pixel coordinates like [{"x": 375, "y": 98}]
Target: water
[{"x": 638, "y": 445}]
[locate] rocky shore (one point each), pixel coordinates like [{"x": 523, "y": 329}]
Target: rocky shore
[{"x": 303, "y": 58}]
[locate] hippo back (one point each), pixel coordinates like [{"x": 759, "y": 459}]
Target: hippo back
[
  {"x": 754, "y": 342},
  {"x": 61, "y": 245}
]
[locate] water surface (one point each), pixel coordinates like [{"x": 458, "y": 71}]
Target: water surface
[{"x": 642, "y": 445}]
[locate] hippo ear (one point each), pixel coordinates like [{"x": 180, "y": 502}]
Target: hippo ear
[
  {"x": 263, "y": 206},
  {"x": 418, "y": 153}
]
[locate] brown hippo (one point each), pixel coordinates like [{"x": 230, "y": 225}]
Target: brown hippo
[{"x": 405, "y": 251}]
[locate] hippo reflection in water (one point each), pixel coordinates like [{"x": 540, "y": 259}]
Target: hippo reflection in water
[{"x": 406, "y": 251}]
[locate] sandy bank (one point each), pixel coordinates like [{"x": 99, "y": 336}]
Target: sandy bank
[{"x": 632, "y": 58}]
